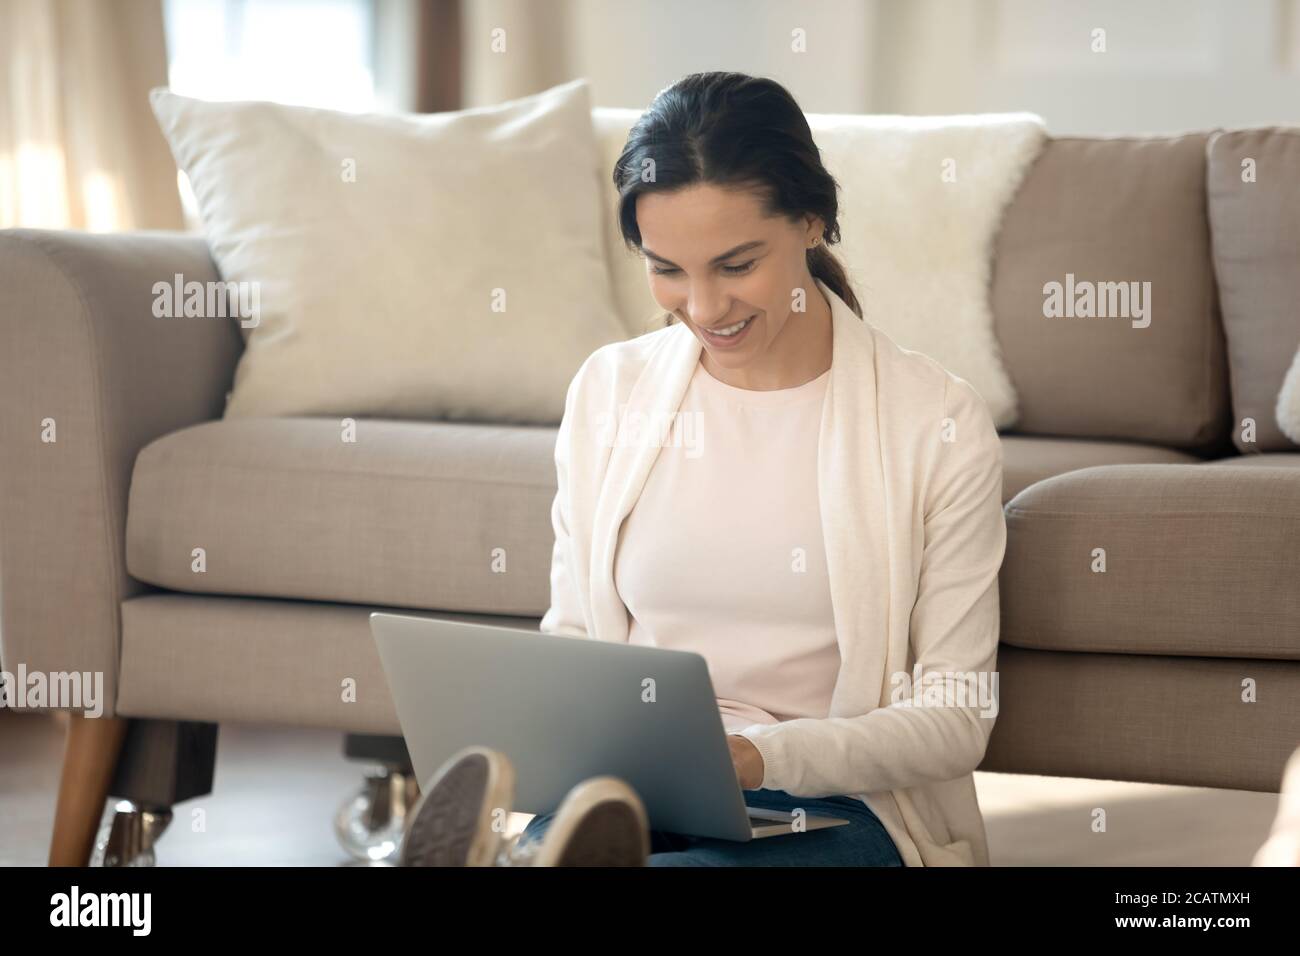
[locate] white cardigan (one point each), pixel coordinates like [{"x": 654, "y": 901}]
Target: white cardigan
[{"x": 910, "y": 482}]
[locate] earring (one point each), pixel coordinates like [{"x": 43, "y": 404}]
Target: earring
[{"x": 816, "y": 242}]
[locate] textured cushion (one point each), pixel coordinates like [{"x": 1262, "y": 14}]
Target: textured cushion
[
  {"x": 917, "y": 247},
  {"x": 1256, "y": 229},
  {"x": 1030, "y": 458},
  {"x": 637, "y": 308},
  {"x": 1110, "y": 211},
  {"x": 1288, "y": 402},
  {"x": 443, "y": 266},
  {"x": 1200, "y": 560},
  {"x": 439, "y": 515}
]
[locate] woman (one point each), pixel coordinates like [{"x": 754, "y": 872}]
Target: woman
[{"x": 821, "y": 520}]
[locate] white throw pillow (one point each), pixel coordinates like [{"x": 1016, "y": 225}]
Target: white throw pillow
[
  {"x": 921, "y": 202},
  {"x": 1288, "y": 402},
  {"x": 439, "y": 266}
]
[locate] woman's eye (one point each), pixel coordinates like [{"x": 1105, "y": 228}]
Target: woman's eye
[{"x": 730, "y": 270}]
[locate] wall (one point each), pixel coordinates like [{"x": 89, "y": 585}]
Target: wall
[{"x": 1168, "y": 65}]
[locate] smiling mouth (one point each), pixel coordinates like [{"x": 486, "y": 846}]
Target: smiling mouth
[{"x": 728, "y": 331}]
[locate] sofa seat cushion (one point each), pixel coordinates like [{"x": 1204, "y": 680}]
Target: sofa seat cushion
[
  {"x": 1272, "y": 459},
  {"x": 409, "y": 514},
  {"x": 440, "y": 516},
  {"x": 1030, "y": 458},
  {"x": 1196, "y": 560}
]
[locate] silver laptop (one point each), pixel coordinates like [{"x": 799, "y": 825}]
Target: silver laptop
[{"x": 564, "y": 709}]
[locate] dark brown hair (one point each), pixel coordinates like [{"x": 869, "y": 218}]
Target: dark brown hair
[{"x": 736, "y": 131}]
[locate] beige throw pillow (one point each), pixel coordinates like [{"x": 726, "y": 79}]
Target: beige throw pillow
[{"x": 440, "y": 266}]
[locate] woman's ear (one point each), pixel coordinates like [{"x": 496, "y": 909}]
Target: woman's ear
[{"x": 815, "y": 229}]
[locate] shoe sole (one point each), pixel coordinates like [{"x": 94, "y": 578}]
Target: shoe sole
[
  {"x": 601, "y": 822},
  {"x": 451, "y": 823}
]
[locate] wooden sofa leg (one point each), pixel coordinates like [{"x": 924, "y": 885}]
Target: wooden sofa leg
[{"x": 89, "y": 760}]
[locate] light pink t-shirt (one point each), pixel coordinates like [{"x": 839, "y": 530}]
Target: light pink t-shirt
[{"x": 723, "y": 554}]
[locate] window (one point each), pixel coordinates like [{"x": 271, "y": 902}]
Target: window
[{"x": 302, "y": 52}]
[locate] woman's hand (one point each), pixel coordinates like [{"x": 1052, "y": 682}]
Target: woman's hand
[{"x": 747, "y": 761}]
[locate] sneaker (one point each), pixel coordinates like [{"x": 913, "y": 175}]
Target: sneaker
[
  {"x": 452, "y": 822},
  {"x": 600, "y": 822}
]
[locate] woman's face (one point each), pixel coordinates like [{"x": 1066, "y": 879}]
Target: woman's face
[{"x": 714, "y": 260}]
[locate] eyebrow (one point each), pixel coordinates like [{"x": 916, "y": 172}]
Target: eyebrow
[{"x": 743, "y": 247}]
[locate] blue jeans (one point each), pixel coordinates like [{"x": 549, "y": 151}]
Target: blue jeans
[{"x": 861, "y": 842}]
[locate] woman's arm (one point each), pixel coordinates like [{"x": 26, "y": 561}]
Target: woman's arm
[{"x": 953, "y": 631}]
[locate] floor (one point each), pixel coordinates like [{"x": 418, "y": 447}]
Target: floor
[{"x": 277, "y": 790}]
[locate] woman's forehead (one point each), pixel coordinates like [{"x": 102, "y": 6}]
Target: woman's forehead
[{"x": 705, "y": 226}]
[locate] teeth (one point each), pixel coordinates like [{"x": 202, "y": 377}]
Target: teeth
[{"x": 730, "y": 330}]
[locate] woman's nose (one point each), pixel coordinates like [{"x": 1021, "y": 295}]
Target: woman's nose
[{"x": 705, "y": 306}]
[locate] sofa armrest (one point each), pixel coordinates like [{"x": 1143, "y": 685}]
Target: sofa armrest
[
  {"x": 84, "y": 360},
  {"x": 1196, "y": 560}
]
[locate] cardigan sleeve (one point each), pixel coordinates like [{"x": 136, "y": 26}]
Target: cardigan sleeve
[
  {"x": 954, "y": 630},
  {"x": 565, "y": 616}
]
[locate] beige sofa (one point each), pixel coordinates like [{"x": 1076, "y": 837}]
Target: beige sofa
[{"x": 1128, "y": 441}]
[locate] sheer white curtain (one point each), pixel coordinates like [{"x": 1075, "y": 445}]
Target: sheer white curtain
[
  {"x": 514, "y": 48},
  {"x": 79, "y": 147}
]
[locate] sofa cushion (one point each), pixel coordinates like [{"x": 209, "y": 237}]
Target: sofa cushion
[
  {"x": 1119, "y": 210},
  {"x": 407, "y": 515},
  {"x": 1255, "y": 219},
  {"x": 443, "y": 515},
  {"x": 1274, "y": 459},
  {"x": 1199, "y": 560},
  {"x": 1030, "y": 458},
  {"x": 391, "y": 263}
]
